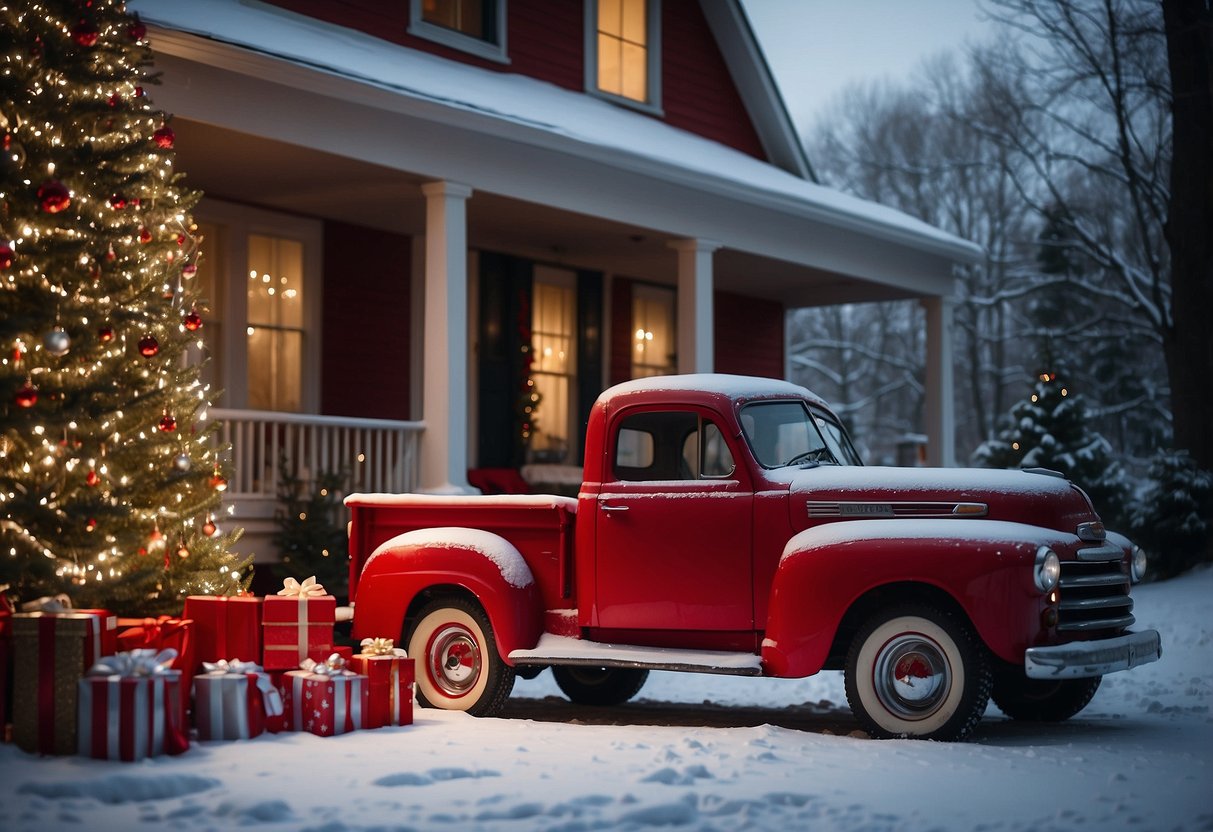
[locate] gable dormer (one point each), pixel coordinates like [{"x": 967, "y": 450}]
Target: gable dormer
[{"x": 693, "y": 64}]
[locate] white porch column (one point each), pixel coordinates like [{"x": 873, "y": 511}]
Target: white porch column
[
  {"x": 696, "y": 328},
  {"x": 940, "y": 403},
  {"x": 444, "y": 383}
]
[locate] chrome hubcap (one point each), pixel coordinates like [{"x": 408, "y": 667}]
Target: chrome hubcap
[
  {"x": 454, "y": 660},
  {"x": 911, "y": 676}
]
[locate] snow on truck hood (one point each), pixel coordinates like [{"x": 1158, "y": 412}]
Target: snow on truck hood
[{"x": 844, "y": 492}]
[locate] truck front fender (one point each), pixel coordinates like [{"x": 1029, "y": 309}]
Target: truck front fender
[
  {"x": 984, "y": 566},
  {"x": 484, "y": 564}
]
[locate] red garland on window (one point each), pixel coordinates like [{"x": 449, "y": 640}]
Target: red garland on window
[{"x": 528, "y": 395}]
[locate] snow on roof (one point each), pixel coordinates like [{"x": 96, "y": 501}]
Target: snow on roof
[
  {"x": 588, "y": 125},
  {"x": 734, "y": 387}
]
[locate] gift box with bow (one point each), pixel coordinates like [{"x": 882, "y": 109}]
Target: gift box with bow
[
  {"x": 225, "y": 627},
  {"x": 157, "y": 634},
  {"x": 324, "y": 698},
  {"x": 390, "y": 682},
  {"x": 51, "y": 651},
  {"x": 233, "y": 699},
  {"x": 298, "y": 624},
  {"x": 129, "y": 707}
]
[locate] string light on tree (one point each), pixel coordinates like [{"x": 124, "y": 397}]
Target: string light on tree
[{"x": 104, "y": 457}]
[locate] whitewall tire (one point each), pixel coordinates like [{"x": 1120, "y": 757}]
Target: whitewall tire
[{"x": 457, "y": 664}]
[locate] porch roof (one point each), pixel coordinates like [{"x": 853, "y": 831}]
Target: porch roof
[{"x": 519, "y": 138}]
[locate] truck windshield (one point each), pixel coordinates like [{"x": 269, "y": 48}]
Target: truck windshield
[{"x": 786, "y": 433}]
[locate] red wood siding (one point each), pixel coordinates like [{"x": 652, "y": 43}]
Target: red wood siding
[
  {"x": 546, "y": 40},
  {"x": 749, "y": 336},
  {"x": 698, "y": 94},
  {"x": 620, "y": 362},
  {"x": 365, "y": 323}
]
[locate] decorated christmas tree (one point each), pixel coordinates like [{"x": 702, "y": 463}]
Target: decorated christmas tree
[
  {"x": 110, "y": 476},
  {"x": 1049, "y": 430}
]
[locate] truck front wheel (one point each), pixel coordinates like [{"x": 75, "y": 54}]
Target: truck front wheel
[
  {"x": 599, "y": 685},
  {"x": 458, "y": 667},
  {"x": 916, "y": 671},
  {"x": 1042, "y": 700}
]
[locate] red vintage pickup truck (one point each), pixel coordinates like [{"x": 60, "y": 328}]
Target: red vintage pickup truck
[{"x": 726, "y": 525}]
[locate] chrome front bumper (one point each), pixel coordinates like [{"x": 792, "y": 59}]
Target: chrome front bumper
[{"x": 1080, "y": 659}]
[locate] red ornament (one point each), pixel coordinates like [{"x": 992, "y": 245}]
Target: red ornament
[
  {"x": 167, "y": 423},
  {"x": 209, "y": 528},
  {"x": 164, "y": 137},
  {"x": 189, "y": 270},
  {"x": 218, "y": 482},
  {"x": 85, "y": 34},
  {"x": 145, "y": 236},
  {"x": 193, "y": 321},
  {"x": 183, "y": 552},
  {"x": 148, "y": 346},
  {"x": 106, "y": 334},
  {"x": 136, "y": 31},
  {"x": 7, "y": 255},
  {"x": 115, "y": 100},
  {"x": 54, "y": 196},
  {"x": 110, "y": 254},
  {"x": 91, "y": 524},
  {"x": 27, "y": 396},
  {"x": 138, "y": 92},
  {"x": 92, "y": 479},
  {"x": 117, "y": 202}
]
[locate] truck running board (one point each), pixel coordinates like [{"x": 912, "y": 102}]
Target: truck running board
[{"x": 562, "y": 650}]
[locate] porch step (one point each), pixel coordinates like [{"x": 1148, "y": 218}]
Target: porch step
[{"x": 562, "y": 650}]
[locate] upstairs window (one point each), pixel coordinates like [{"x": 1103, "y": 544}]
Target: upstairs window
[
  {"x": 473, "y": 26},
  {"x": 623, "y": 51}
]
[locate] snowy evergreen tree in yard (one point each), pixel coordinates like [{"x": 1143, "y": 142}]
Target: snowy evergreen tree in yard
[
  {"x": 109, "y": 476},
  {"x": 1172, "y": 519},
  {"x": 1049, "y": 430}
]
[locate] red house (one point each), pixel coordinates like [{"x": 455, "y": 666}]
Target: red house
[{"x": 437, "y": 229}]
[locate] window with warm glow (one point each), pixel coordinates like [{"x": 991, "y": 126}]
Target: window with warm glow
[
  {"x": 475, "y": 26},
  {"x": 624, "y": 49},
  {"x": 208, "y": 349},
  {"x": 553, "y": 339},
  {"x": 275, "y": 323},
  {"x": 653, "y": 337}
]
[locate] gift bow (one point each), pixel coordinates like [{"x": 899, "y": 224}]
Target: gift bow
[
  {"x": 153, "y": 630},
  {"x": 381, "y": 647},
  {"x": 334, "y": 665},
  {"x": 135, "y": 663},
  {"x": 308, "y": 589},
  {"x": 270, "y": 695}
]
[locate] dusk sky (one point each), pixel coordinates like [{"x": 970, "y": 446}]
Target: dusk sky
[{"x": 817, "y": 47}]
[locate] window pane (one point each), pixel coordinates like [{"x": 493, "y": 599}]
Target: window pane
[
  {"x": 274, "y": 369},
  {"x": 634, "y": 23},
  {"x": 610, "y": 17},
  {"x": 275, "y": 323},
  {"x": 553, "y": 332},
  {"x": 465, "y": 16},
  {"x": 653, "y": 351},
  {"x": 609, "y": 65},
  {"x": 634, "y": 69}
]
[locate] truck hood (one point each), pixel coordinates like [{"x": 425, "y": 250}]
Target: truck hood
[{"x": 832, "y": 492}]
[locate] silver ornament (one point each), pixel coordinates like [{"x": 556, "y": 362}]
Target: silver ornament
[
  {"x": 182, "y": 461},
  {"x": 57, "y": 341}
]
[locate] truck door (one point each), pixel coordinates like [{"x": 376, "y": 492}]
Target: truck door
[{"x": 674, "y": 528}]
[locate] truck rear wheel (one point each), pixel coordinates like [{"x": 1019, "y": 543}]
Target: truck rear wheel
[
  {"x": 599, "y": 685},
  {"x": 1042, "y": 700},
  {"x": 916, "y": 671},
  {"x": 458, "y": 667}
]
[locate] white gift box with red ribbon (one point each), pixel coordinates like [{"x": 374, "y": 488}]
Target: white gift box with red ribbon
[
  {"x": 232, "y": 700},
  {"x": 128, "y": 707}
]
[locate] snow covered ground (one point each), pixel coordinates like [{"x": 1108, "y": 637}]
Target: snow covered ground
[{"x": 1139, "y": 758}]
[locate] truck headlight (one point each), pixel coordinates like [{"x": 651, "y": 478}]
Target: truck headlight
[
  {"x": 1048, "y": 569},
  {"x": 1137, "y": 567}
]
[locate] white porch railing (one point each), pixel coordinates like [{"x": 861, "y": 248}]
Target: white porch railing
[{"x": 375, "y": 454}]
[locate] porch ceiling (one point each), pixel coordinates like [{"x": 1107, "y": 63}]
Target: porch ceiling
[{"x": 254, "y": 170}]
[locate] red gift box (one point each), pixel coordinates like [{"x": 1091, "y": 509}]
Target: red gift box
[
  {"x": 51, "y": 651},
  {"x": 234, "y": 700},
  {"x": 390, "y": 675},
  {"x": 324, "y": 698},
  {"x": 225, "y": 627},
  {"x": 298, "y": 624},
  {"x": 157, "y": 634},
  {"x": 129, "y": 707}
]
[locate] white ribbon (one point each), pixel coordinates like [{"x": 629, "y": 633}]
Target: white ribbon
[{"x": 135, "y": 663}]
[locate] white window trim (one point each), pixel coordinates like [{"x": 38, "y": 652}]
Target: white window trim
[
  {"x": 236, "y": 223},
  {"x": 419, "y": 27},
  {"x": 653, "y": 13}
]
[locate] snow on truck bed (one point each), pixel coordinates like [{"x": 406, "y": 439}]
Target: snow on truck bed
[{"x": 552, "y": 501}]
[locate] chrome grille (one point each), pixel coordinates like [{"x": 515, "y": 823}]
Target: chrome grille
[{"x": 1094, "y": 595}]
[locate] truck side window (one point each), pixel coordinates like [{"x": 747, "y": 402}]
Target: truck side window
[{"x": 670, "y": 446}]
